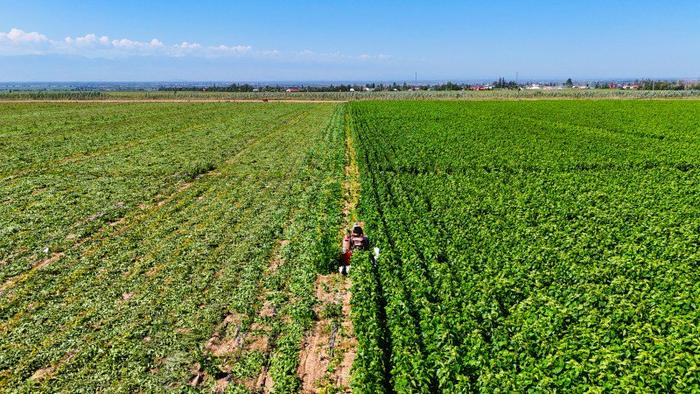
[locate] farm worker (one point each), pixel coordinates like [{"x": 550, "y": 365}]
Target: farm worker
[
  {"x": 358, "y": 239},
  {"x": 355, "y": 240},
  {"x": 344, "y": 267}
]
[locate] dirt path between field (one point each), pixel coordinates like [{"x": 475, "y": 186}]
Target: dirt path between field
[
  {"x": 208, "y": 100},
  {"x": 329, "y": 349}
]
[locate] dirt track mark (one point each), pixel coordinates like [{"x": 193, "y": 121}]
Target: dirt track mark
[
  {"x": 328, "y": 351},
  {"x": 260, "y": 337},
  {"x": 11, "y": 282},
  {"x": 263, "y": 334},
  {"x": 48, "y": 372},
  {"x": 215, "y": 344}
]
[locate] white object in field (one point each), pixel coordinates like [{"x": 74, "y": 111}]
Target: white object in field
[
  {"x": 46, "y": 250},
  {"x": 376, "y": 256}
]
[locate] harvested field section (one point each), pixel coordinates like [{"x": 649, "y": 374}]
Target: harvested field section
[
  {"x": 73, "y": 168},
  {"x": 179, "y": 291}
]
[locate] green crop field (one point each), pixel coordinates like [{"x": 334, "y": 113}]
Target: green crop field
[
  {"x": 525, "y": 246},
  {"x": 529, "y": 247}
]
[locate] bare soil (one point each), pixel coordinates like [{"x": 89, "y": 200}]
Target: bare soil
[
  {"x": 220, "y": 346},
  {"x": 348, "y": 346},
  {"x": 329, "y": 349},
  {"x": 42, "y": 373},
  {"x": 47, "y": 372}
]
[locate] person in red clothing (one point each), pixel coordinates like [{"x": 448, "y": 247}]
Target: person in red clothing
[
  {"x": 344, "y": 266},
  {"x": 353, "y": 240}
]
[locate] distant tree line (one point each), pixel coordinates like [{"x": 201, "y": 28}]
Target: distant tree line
[
  {"x": 501, "y": 83},
  {"x": 228, "y": 88},
  {"x": 394, "y": 86},
  {"x": 648, "y": 84}
]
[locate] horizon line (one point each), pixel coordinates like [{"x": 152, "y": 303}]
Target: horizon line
[{"x": 358, "y": 80}]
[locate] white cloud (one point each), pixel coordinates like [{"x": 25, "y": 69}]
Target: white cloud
[
  {"x": 188, "y": 45},
  {"x": 19, "y": 42},
  {"x": 155, "y": 43},
  {"x": 185, "y": 48},
  {"x": 196, "y": 49},
  {"x": 17, "y": 37},
  {"x": 126, "y": 43},
  {"x": 233, "y": 50},
  {"x": 88, "y": 40}
]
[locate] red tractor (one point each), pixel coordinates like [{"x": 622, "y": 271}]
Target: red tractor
[{"x": 353, "y": 240}]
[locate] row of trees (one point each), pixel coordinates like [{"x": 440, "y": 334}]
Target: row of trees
[
  {"x": 649, "y": 84},
  {"x": 501, "y": 83}
]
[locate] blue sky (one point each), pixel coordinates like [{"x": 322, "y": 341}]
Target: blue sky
[{"x": 347, "y": 40}]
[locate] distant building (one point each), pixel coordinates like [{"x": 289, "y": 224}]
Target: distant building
[
  {"x": 481, "y": 87},
  {"x": 292, "y": 90}
]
